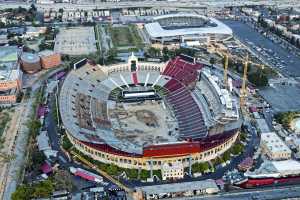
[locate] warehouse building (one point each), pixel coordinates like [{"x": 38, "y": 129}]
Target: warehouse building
[{"x": 274, "y": 147}]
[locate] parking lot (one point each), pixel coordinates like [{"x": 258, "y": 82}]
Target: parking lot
[
  {"x": 282, "y": 97},
  {"x": 75, "y": 41},
  {"x": 271, "y": 52}
]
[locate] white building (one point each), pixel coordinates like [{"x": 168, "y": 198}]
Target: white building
[
  {"x": 184, "y": 27},
  {"x": 184, "y": 189},
  {"x": 34, "y": 31},
  {"x": 172, "y": 171},
  {"x": 274, "y": 147}
]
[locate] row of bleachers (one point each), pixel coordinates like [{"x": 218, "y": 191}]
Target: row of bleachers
[
  {"x": 173, "y": 85},
  {"x": 183, "y": 71},
  {"x": 202, "y": 102},
  {"x": 99, "y": 113},
  {"x": 191, "y": 124},
  {"x": 82, "y": 109},
  {"x": 210, "y": 96}
]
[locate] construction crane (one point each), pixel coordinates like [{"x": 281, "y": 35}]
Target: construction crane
[
  {"x": 243, "y": 91},
  {"x": 225, "y": 64},
  {"x": 226, "y": 70}
]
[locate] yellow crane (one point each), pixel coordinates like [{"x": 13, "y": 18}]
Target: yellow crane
[
  {"x": 225, "y": 65},
  {"x": 243, "y": 91},
  {"x": 226, "y": 70}
]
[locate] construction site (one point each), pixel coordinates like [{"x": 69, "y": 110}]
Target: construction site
[{"x": 143, "y": 123}]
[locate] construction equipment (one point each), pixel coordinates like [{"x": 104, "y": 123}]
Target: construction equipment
[
  {"x": 225, "y": 70},
  {"x": 243, "y": 91},
  {"x": 225, "y": 64}
]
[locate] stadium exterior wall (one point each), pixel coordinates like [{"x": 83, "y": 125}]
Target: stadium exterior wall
[{"x": 142, "y": 162}]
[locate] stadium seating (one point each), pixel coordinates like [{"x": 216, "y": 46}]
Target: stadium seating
[
  {"x": 99, "y": 113},
  {"x": 82, "y": 108},
  {"x": 183, "y": 71},
  {"x": 190, "y": 121}
]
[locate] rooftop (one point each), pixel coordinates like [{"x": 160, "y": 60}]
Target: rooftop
[
  {"x": 9, "y": 68},
  {"x": 46, "y": 53},
  {"x": 180, "y": 187},
  {"x": 154, "y": 29},
  {"x": 276, "y": 168},
  {"x": 274, "y": 143}
]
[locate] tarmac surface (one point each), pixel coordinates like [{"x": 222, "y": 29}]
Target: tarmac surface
[
  {"x": 287, "y": 192},
  {"x": 246, "y": 33},
  {"x": 281, "y": 97}
]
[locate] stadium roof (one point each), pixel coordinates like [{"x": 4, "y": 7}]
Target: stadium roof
[
  {"x": 155, "y": 30},
  {"x": 180, "y": 15}
]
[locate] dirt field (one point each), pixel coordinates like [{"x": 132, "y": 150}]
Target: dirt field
[{"x": 145, "y": 123}]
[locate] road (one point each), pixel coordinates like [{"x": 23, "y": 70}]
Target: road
[
  {"x": 255, "y": 194},
  {"x": 193, "y": 4},
  {"x": 14, "y": 174},
  {"x": 281, "y": 97}
]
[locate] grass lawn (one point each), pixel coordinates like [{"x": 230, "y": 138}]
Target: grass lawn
[
  {"x": 124, "y": 36},
  {"x": 4, "y": 119}
]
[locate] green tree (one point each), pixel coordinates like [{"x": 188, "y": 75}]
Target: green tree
[
  {"x": 226, "y": 156},
  {"x": 38, "y": 158},
  {"x": 131, "y": 173},
  {"x": 63, "y": 180},
  {"x": 144, "y": 174},
  {"x": 237, "y": 149},
  {"x": 66, "y": 144},
  {"x": 258, "y": 78},
  {"x": 212, "y": 61},
  {"x": 23, "y": 192},
  {"x": 200, "y": 167},
  {"x": 34, "y": 126},
  {"x": 165, "y": 52},
  {"x": 243, "y": 136},
  {"x": 112, "y": 169},
  {"x": 111, "y": 55},
  {"x": 43, "y": 189},
  {"x": 153, "y": 52}
]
